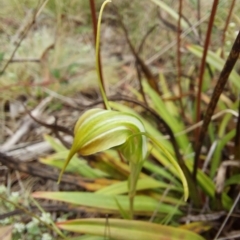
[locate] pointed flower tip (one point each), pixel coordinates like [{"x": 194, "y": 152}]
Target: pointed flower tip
[{"x": 60, "y": 177}]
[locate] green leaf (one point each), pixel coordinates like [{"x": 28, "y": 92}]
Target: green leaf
[
  {"x": 208, "y": 187},
  {"x": 198, "y": 227},
  {"x": 171, "y": 12},
  {"x": 174, "y": 123},
  {"x": 77, "y": 165},
  {"x": 175, "y": 164},
  {"x": 163, "y": 160},
  {"x": 143, "y": 184},
  {"x": 216, "y": 61},
  {"x": 216, "y": 159},
  {"x": 89, "y": 237},
  {"x": 170, "y": 105},
  {"x": 147, "y": 124},
  {"x": 235, "y": 179},
  {"x": 142, "y": 204},
  {"x": 161, "y": 172},
  {"x": 118, "y": 229},
  {"x": 1, "y": 56},
  {"x": 123, "y": 213},
  {"x": 56, "y": 73},
  {"x": 55, "y": 144}
]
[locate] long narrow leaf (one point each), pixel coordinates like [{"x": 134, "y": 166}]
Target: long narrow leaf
[
  {"x": 143, "y": 184},
  {"x": 170, "y": 11},
  {"x": 175, "y": 124},
  {"x": 77, "y": 165},
  {"x": 127, "y": 229},
  {"x": 216, "y": 61},
  {"x": 142, "y": 204}
]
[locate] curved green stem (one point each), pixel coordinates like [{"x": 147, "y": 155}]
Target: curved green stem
[
  {"x": 175, "y": 164},
  {"x": 97, "y": 56},
  {"x": 135, "y": 170}
]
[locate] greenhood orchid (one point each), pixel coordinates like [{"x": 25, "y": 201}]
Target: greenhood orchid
[{"x": 99, "y": 129}]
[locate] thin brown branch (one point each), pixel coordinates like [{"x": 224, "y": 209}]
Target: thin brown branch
[
  {"x": 179, "y": 67},
  {"x": 145, "y": 38},
  {"x": 94, "y": 19},
  {"x": 145, "y": 69},
  {"x": 41, "y": 170},
  {"x": 199, "y": 18},
  {"x": 232, "y": 3},
  {"x": 202, "y": 68},
  {"x": 227, "y": 69},
  {"x": 47, "y": 207},
  {"x": 24, "y": 34},
  {"x": 22, "y": 60},
  {"x": 54, "y": 127}
]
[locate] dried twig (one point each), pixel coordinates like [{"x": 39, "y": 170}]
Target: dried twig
[
  {"x": 24, "y": 34},
  {"x": 27, "y": 123},
  {"x": 41, "y": 170}
]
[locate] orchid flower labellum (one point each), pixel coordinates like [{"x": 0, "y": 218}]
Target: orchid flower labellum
[{"x": 98, "y": 130}]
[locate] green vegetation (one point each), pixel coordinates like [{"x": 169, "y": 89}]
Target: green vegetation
[{"x": 157, "y": 155}]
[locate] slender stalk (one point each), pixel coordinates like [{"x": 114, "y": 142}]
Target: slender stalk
[
  {"x": 237, "y": 138},
  {"x": 227, "y": 69},
  {"x": 94, "y": 23},
  {"x": 179, "y": 57},
  {"x": 98, "y": 66},
  {"x": 226, "y": 26},
  {"x": 202, "y": 68},
  {"x": 135, "y": 170},
  {"x": 199, "y": 18},
  {"x": 94, "y": 18}
]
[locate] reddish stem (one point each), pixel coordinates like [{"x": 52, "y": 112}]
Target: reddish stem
[
  {"x": 203, "y": 64},
  {"x": 94, "y": 19},
  {"x": 179, "y": 56},
  {"x": 94, "y": 22}
]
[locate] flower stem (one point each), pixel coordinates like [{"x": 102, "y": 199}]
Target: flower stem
[
  {"x": 100, "y": 80},
  {"x": 135, "y": 170}
]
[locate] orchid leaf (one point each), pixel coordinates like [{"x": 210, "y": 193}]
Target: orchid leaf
[
  {"x": 143, "y": 184},
  {"x": 142, "y": 204},
  {"x": 127, "y": 229},
  {"x": 77, "y": 165}
]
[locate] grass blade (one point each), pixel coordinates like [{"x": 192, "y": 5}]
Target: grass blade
[{"x": 127, "y": 229}]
